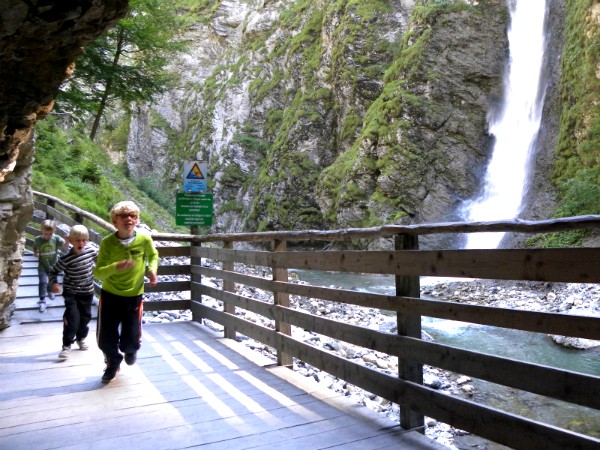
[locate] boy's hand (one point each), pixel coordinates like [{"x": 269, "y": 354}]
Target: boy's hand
[
  {"x": 153, "y": 279},
  {"x": 125, "y": 264}
]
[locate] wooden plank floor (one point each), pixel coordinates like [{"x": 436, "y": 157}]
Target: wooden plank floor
[
  {"x": 189, "y": 389},
  {"x": 28, "y": 297}
]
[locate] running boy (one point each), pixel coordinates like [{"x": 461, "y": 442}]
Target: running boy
[
  {"x": 46, "y": 247},
  {"x": 123, "y": 260},
  {"x": 78, "y": 288}
]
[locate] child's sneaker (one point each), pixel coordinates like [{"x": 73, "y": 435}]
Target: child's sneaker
[
  {"x": 64, "y": 353},
  {"x": 43, "y": 306},
  {"x": 82, "y": 344},
  {"x": 110, "y": 373},
  {"x": 51, "y": 295}
]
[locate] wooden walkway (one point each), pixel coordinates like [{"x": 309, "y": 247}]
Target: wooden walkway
[{"x": 189, "y": 389}]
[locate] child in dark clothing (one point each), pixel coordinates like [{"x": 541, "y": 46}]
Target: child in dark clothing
[{"x": 78, "y": 288}]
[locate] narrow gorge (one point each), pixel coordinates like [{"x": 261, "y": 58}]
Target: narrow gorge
[{"x": 341, "y": 114}]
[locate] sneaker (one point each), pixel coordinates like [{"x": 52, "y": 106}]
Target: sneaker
[
  {"x": 82, "y": 344},
  {"x": 130, "y": 358},
  {"x": 109, "y": 374},
  {"x": 64, "y": 353},
  {"x": 42, "y": 307},
  {"x": 51, "y": 295}
]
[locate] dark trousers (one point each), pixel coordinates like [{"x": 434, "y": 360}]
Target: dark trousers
[
  {"x": 43, "y": 286},
  {"x": 119, "y": 326},
  {"x": 77, "y": 316}
]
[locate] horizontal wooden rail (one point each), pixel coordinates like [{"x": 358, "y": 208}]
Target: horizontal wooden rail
[
  {"x": 564, "y": 265},
  {"x": 539, "y": 322},
  {"x": 571, "y": 265},
  {"x": 590, "y": 222},
  {"x": 503, "y": 427},
  {"x": 559, "y": 384},
  {"x": 214, "y": 256},
  {"x": 74, "y": 209}
]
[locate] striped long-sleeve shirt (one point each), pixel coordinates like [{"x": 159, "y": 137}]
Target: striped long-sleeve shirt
[{"x": 78, "y": 270}]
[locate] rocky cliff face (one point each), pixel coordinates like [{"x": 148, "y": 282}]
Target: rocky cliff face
[
  {"x": 331, "y": 114},
  {"x": 38, "y": 43}
]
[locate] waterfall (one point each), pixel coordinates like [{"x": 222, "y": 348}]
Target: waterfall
[{"x": 515, "y": 128}]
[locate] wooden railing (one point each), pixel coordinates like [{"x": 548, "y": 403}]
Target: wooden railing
[{"x": 407, "y": 264}]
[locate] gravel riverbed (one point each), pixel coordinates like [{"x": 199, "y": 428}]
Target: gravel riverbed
[{"x": 564, "y": 298}]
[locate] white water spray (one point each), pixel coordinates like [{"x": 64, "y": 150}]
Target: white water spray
[{"x": 516, "y": 127}]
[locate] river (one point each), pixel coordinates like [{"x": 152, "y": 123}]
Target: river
[{"x": 536, "y": 348}]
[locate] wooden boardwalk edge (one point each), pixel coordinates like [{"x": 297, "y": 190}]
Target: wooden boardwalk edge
[{"x": 189, "y": 388}]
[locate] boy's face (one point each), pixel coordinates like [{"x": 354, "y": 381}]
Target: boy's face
[
  {"x": 47, "y": 234},
  {"x": 78, "y": 244},
  {"x": 125, "y": 223}
]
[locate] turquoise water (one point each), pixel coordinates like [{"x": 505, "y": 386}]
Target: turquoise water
[{"x": 525, "y": 346}]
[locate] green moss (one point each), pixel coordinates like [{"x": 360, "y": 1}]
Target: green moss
[
  {"x": 579, "y": 137},
  {"x": 251, "y": 143},
  {"x": 351, "y": 126},
  {"x": 232, "y": 175},
  {"x": 273, "y": 121},
  {"x": 577, "y": 165}
]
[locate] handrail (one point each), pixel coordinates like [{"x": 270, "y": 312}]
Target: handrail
[
  {"x": 406, "y": 263},
  {"x": 78, "y": 211},
  {"x": 588, "y": 222}
]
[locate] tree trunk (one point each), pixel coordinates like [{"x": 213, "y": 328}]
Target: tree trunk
[{"x": 107, "y": 88}]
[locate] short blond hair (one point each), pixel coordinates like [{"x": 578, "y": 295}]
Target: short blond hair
[
  {"x": 79, "y": 232},
  {"x": 125, "y": 207},
  {"x": 49, "y": 225}
]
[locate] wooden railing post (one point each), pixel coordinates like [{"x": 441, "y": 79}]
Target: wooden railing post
[
  {"x": 409, "y": 325},
  {"x": 195, "y": 294},
  {"x": 281, "y": 299},
  {"x": 229, "y": 286},
  {"x": 52, "y": 204}
]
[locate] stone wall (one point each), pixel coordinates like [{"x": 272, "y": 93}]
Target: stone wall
[{"x": 38, "y": 43}]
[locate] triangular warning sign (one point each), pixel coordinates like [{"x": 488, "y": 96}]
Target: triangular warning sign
[{"x": 195, "y": 173}]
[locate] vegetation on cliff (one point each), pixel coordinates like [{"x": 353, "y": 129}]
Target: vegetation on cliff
[
  {"x": 68, "y": 165},
  {"x": 577, "y": 164},
  {"x": 341, "y": 114}
]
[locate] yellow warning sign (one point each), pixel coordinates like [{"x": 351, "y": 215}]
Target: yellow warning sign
[
  {"x": 195, "y": 176},
  {"x": 195, "y": 173}
]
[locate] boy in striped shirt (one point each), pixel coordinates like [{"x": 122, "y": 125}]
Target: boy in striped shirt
[{"x": 77, "y": 265}]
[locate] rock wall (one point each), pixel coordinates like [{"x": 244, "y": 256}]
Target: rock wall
[
  {"x": 330, "y": 114},
  {"x": 38, "y": 44}
]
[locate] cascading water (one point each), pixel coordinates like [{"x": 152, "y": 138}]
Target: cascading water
[{"x": 515, "y": 129}]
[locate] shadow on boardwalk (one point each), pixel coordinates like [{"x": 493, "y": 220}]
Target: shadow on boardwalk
[{"x": 190, "y": 388}]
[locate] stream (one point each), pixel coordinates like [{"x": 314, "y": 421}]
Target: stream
[{"x": 536, "y": 348}]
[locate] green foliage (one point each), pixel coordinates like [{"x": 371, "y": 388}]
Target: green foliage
[
  {"x": 577, "y": 165},
  {"x": 251, "y": 143},
  {"x": 70, "y": 166},
  {"x": 579, "y": 138},
  {"x": 273, "y": 121},
  {"x": 115, "y": 137},
  {"x": 427, "y": 11},
  {"x": 232, "y": 175},
  {"x": 152, "y": 187},
  {"x": 126, "y": 64}
]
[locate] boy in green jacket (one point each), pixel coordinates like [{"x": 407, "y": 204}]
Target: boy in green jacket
[{"x": 124, "y": 258}]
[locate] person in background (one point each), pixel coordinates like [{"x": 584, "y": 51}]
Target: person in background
[
  {"x": 46, "y": 247},
  {"x": 77, "y": 265},
  {"x": 124, "y": 258}
]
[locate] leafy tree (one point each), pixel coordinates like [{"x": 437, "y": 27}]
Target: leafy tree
[{"x": 127, "y": 64}]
